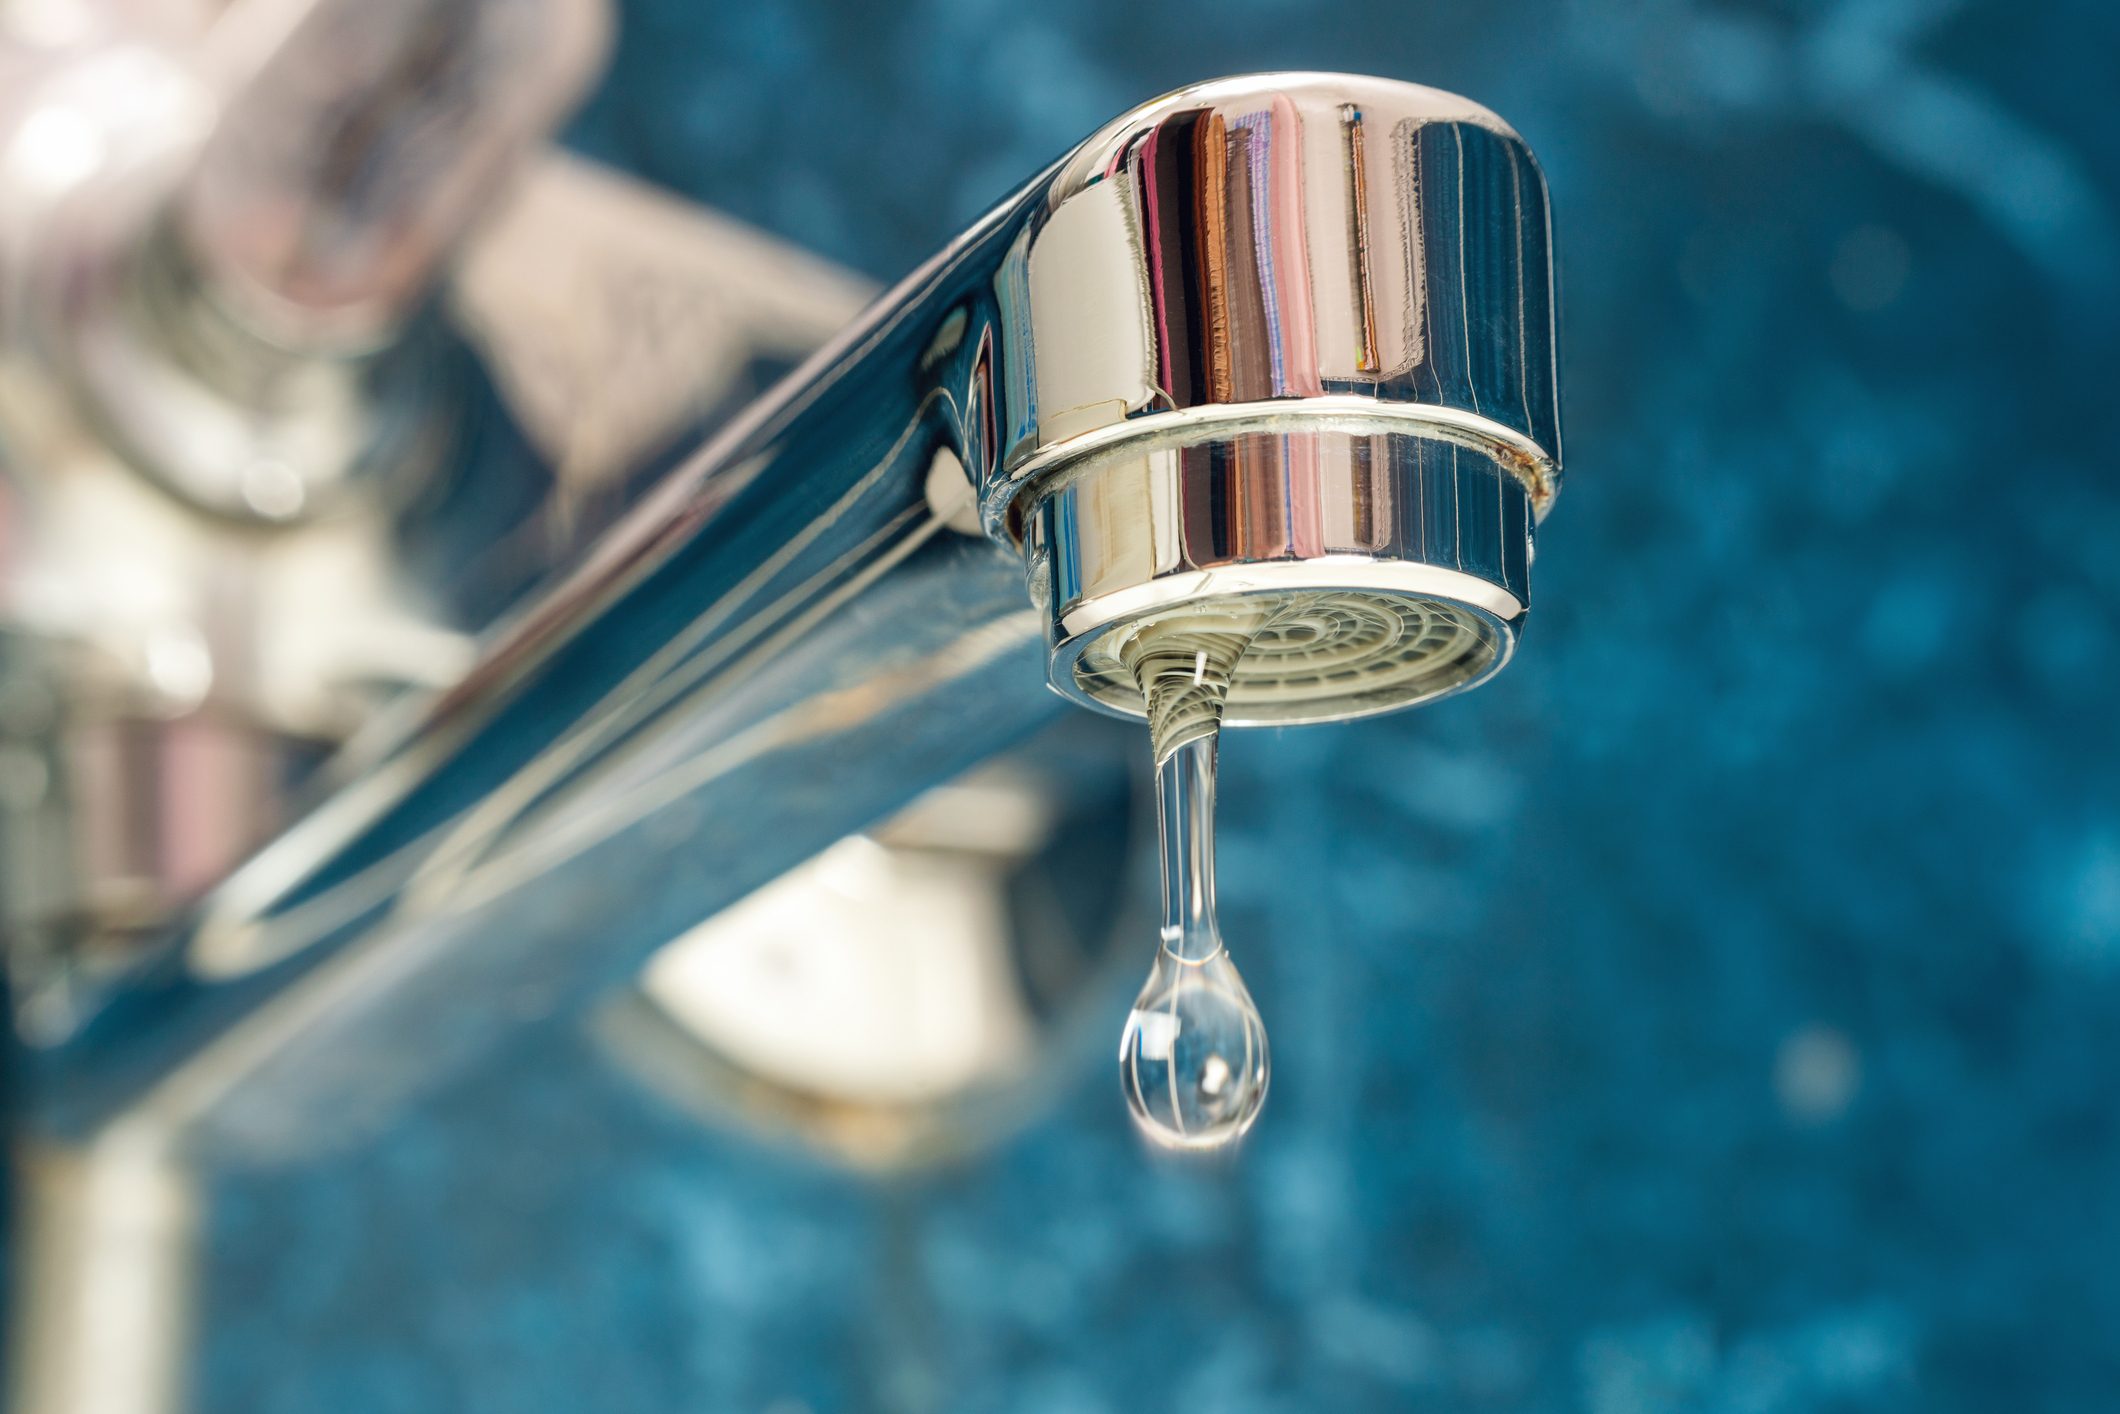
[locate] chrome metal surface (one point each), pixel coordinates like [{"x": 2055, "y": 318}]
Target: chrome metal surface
[
  {"x": 234, "y": 424},
  {"x": 1420, "y": 546},
  {"x": 210, "y": 539},
  {"x": 801, "y": 627},
  {"x": 220, "y": 233},
  {"x": 370, "y": 137},
  {"x": 113, "y": 802},
  {"x": 144, "y": 749},
  {"x": 1290, "y": 335},
  {"x": 1286, "y": 335},
  {"x": 1285, "y": 246}
]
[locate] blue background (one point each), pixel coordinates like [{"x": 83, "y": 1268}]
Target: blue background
[{"x": 1719, "y": 1012}]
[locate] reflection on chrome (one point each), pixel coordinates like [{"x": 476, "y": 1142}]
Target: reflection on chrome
[
  {"x": 1287, "y": 335},
  {"x": 1272, "y": 333}
]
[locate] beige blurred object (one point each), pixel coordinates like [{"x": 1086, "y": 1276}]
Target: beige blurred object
[
  {"x": 221, "y": 237},
  {"x": 103, "y": 1301},
  {"x": 869, "y": 975},
  {"x": 871, "y": 1005},
  {"x": 359, "y": 146},
  {"x": 612, "y": 315}
]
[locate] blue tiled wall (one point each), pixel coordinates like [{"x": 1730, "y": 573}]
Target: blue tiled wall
[{"x": 1720, "y": 1012}]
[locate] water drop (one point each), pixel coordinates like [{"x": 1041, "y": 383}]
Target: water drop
[{"x": 1193, "y": 1060}]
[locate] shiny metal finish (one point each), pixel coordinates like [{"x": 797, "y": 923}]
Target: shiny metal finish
[
  {"x": 368, "y": 140},
  {"x": 237, "y": 425},
  {"x": 802, "y": 626},
  {"x": 1420, "y": 544},
  {"x": 146, "y": 752},
  {"x": 1235, "y": 252},
  {"x": 1284, "y": 335},
  {"x": 208, "y": 526},
  {"x": 113, "y": 802},
  {"x": 222, "y": 244}
]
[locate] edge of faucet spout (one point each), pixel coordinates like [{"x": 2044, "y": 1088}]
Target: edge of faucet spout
[
  {"x": 1300, "y": 248},
  {"x": 1287, "y": 334},
  {"x": 1090, "y": 160}
]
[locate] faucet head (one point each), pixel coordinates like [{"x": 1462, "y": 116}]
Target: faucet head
[{"x": 1288, "y": 336}]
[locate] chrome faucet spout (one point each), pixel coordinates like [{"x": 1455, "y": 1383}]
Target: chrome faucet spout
[{"x": 1284, "y": 335}]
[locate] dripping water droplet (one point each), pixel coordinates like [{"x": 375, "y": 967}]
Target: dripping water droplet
[{"x": 1193, "y": 1059}]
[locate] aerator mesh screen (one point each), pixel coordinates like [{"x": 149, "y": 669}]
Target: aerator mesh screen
[{"x": 1320, "y": 654}]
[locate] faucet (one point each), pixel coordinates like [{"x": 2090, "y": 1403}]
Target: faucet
[
  {"x": 1277, "y": 334},
  {"x": 1281, "y": 335}
]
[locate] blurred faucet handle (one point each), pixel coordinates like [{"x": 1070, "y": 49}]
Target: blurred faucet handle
[
  {"x": 220, "y": 245},
  {"x": 360, "y": 143}
]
